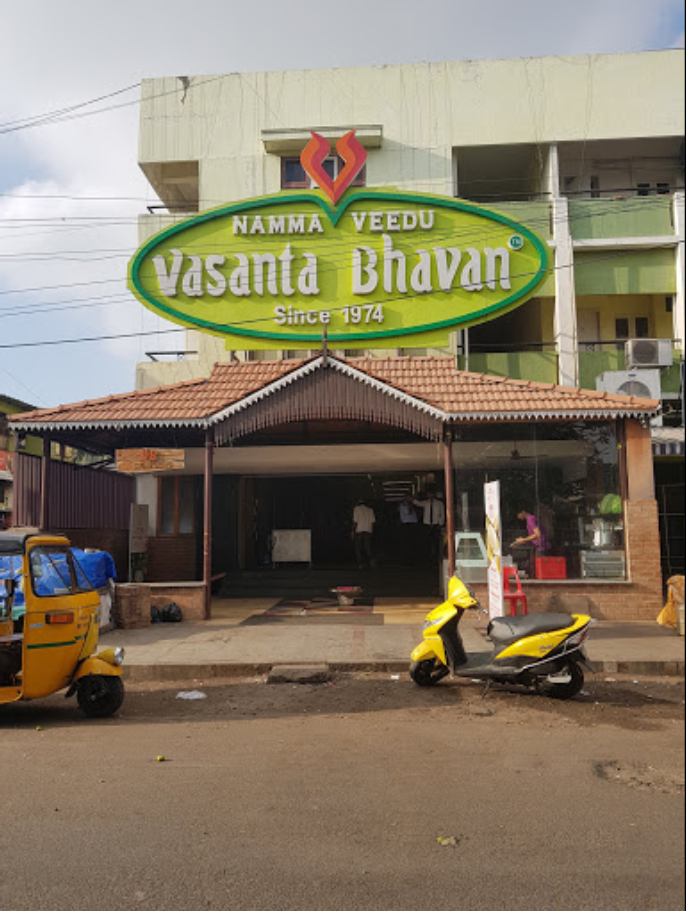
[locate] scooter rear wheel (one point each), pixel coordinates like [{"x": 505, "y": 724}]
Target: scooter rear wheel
[
  {"x": 424, "y": 673},
  {"x": 566, "y": 690}
]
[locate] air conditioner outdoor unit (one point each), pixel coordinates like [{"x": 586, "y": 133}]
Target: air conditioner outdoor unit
[
  {"x": 644, "y": 384},
  {"x": 649, "y": 352}
]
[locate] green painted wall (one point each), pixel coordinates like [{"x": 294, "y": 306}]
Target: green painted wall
[
  {"x": 593, "y": 363},
  {"x": 540, "y": 366},
  {"x": 641, "y": 216},
  {"x": 625, "y": 272}
]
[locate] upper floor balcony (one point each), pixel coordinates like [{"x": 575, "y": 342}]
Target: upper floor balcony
[{"x": 621, "y": 218}]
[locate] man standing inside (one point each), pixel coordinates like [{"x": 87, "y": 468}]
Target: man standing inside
[
  {"x": 433, "y": 509},
  {"x": 409, "y": 527},
  {"x": 363, "y": 527}
]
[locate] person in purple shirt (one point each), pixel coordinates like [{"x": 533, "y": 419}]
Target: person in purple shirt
[
  {"x": 528, "y": 547},
  {"x": 535, "y": 536}
]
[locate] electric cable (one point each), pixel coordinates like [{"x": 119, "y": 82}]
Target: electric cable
[
  {"x": 322, "y": 246},
  {"x": 404, "y": 297},
  {"x": 49, "y": 119}
]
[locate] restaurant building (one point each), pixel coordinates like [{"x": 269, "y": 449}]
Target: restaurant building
[{"x": 399, "y": 280}]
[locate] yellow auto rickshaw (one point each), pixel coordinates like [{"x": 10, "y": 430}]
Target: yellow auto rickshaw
[{"x": 49, "y": 627}]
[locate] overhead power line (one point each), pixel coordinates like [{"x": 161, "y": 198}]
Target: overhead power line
[
  {"x": 74, "y": 112},
  {"x": 265, "y": 319},
  {"x": 48, "y": 115}
]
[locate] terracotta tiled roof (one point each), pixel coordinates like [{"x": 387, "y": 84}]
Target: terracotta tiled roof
[
  {"x": 190, "y": 401},
  {"x": 458, "y": 392},
  {"x": 432, "y": 382}
]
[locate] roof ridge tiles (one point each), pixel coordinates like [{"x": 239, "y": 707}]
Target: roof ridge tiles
[{"x": 433, "y": 381}]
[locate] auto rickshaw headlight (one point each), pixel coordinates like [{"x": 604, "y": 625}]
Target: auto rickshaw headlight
[{"x": 119, "y": 655}]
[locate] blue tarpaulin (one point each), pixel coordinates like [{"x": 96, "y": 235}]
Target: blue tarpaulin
[{"x": 98, "y": 567}]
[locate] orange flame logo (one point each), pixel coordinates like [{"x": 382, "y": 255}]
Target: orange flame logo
[{"x": 353, "y": 154}]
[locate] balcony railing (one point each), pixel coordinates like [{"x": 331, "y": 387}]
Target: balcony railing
[
  {"x": 600, "y": 219},
  {"x": 540, "y": 366}
]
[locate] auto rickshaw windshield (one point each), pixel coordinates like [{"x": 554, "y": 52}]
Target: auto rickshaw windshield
[{"x": 55, "y": 572}]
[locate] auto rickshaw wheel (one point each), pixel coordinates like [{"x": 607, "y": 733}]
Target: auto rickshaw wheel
[{"x": 100, "y": 696}]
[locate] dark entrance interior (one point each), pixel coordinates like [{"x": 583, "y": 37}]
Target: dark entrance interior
[{"x": 404, "y": 562}]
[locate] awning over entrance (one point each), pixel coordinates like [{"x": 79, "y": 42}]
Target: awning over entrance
[
  {"x": 421, "y": 395},
  {"x": 329, "y": 401}
]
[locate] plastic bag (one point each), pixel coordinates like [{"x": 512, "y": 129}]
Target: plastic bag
[
  {"x": 171, "y": 613},
  {"x": 675, "y": 597}
]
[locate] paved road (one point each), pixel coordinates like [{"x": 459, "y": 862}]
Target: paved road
[{"x": 318, "y": 799}]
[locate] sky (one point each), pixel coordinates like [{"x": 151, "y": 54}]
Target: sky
[{"x": 71, "y": 190}]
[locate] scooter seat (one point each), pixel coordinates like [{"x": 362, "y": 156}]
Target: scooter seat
[{"x": 504, "y": 630}]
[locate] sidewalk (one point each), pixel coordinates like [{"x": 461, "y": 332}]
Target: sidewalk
[{"x": 252, "y": 636}]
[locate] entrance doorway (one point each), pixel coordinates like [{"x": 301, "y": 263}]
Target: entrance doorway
[{"x": 322, "y": 507}]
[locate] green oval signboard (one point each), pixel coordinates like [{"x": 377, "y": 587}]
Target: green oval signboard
[{"x": 378, "y": 270}]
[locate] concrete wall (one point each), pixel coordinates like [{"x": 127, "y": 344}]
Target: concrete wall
[
  {"x": 426, "y": 110},
  {"x": 573, "y": 112}
]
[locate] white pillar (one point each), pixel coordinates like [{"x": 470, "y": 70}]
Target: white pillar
[
  {"x": 553, "y": 172},
  {"x": 565, "y": 296},
  {"x": 680, "y": 299}
]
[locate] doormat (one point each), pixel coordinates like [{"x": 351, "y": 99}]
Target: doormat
[
  {"x": 361, "y": 605},
  {"x": 317, "y": 610}
]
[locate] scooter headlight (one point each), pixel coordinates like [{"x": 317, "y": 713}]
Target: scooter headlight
[{"x": 428, "y": 624}]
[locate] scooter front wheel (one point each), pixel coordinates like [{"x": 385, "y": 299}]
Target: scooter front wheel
[
  {"x": 564, "y": 685},
  {"x": 426, "y": 673}
]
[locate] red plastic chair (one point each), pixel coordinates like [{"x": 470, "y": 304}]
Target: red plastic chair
[{"x": 514, "y": 596}]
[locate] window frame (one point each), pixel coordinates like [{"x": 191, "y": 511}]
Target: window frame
[
  {"x": 48, "y": 551},
  {"x": 308, "y": 183},
  {"x": 177, "y": 482}
]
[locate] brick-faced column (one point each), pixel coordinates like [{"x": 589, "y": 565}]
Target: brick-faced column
[
  {"x": 641, "y": 525},
  {"x": 639, "y": 461},
  {"x": 642, "y": 538}
]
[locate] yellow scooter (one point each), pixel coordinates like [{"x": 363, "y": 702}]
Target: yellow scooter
[
  {"x": 49, "y": 627},
  {"x": 543, "y": 652}
]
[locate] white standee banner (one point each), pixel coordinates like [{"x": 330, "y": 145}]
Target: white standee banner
[{"x": 494, "y": 548}]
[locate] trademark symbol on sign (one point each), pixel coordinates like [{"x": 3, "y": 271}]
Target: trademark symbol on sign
[{"x": 516, "y": 242}]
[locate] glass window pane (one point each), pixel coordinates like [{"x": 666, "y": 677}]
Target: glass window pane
[
  {"x": 186, "y": 506},
  {"x": 167, "y": 506},
  {"x": 622, "y": 327},
  {"x": 82, "y": 582},
  {"x": 642, "y": 327},
  {"x": 293, "y": 171},
  {"x": 361, "y": 179},
  {"x": 564, "y": 476},
  {"x": 50, "y": 572}
]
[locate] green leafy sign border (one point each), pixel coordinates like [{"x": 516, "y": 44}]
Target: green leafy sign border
[{"x": 335, "y": 215}]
